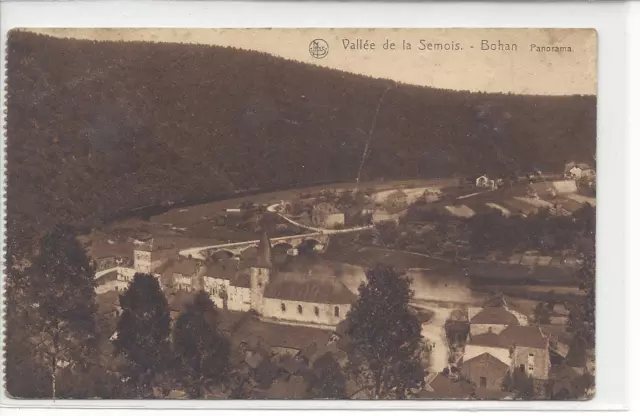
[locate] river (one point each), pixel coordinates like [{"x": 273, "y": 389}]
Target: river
[{"x": 438, "y": 293}]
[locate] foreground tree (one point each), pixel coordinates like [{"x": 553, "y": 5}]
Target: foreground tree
[
  {"x": 328, "y": 381},
  {"x": 582, "y": 316},
  {"x": 142, "y": 332},
  {"x": 385, "y": 337},
  {"x": 202, "y": 351},
  {"x": 520, "y": 384},
  {"x": 61, "y": 283}
]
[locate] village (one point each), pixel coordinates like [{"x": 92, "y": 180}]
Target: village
[{"x": 276, "y": 269}]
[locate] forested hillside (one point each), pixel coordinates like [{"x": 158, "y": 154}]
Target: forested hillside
[{"x": 95, "y": 128}]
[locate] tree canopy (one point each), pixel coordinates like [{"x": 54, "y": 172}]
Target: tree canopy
[
  {"x": 202, "y": 351},
  {"x": 142, "y": 332},
  {"x": 385, "y": 336},
  {"x": 62, "y": 291}
]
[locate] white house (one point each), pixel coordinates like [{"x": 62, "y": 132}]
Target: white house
[
  {"x": 484, "y": 182},
  {"x": 145, "y": 260}
]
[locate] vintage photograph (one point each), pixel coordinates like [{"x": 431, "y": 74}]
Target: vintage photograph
[{"x": 347, "y": 214}]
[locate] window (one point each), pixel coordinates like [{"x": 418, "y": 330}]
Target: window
[
  {"x": 283, "y": 307},
  {"x": 483, "y": 382},
  {"x": 530, "y": 369},
  {"x": 336, "y": 311},
  {"x": 317, "y": 311},
  {"x": 522, "y": 367},
  {"x": 300, "y": 309}
]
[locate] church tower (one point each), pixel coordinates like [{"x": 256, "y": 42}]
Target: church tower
[
  {"x": 142, "y": 258},
  {"x": 261, "y": 273}
]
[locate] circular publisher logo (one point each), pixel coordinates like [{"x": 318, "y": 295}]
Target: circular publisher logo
[{"x": 319, "y": 48}]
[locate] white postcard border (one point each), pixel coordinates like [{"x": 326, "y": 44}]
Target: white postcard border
[{"x": 613, "y": 142}]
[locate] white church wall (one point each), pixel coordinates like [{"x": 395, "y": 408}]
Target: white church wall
[{"x": 317, "y": 313}]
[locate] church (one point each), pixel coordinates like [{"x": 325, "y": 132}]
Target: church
[{"x": 311, "y": 298}]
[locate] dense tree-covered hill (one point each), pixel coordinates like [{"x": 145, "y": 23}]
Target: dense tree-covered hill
[{"x": 95, "y": 128}]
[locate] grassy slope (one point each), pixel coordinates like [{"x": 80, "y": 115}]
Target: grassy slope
[{"x": 95, "y": 128}]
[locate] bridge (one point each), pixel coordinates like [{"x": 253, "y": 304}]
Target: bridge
[
  {"x": 235, "y": 249},
  {"x": 318, "y": 236}
]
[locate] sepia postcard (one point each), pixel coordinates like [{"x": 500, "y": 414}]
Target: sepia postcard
[{"x": 300, "y": 214}]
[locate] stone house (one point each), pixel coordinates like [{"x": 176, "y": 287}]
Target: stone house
[
  {"x": 485, "y": 371},
  {"x": 530, "y": 350},
  {"x": 490, "y": 319},
  {"x": 184, "y": 274},
  {"x": 228, "y": 287}
]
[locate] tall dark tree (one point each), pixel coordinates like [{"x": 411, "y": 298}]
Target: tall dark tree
[
  {"x": 328, "y": 381},
  {"x": 61, "y": 286},
  {"x": 143, "y": 331},
  {"x": 202, "y": 351},
  {"x": 386, "y": 347},
  {"x": 582, "y": 316}
]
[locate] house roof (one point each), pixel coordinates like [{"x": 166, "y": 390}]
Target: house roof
[
  {"x": 264, "y": 259},
  {"x": 220, "y": 270},
  {"x": 525, "y": 336},
  {"x": 311, "y": 288},
  {"x": 445, "y": 388},
  {"x": 275, "y": 335},
  {"x": 291, "y": 365},
  {"x": 488, "y": 360},
  {"x": 242, "y": 279},
  {"x": 186, "y": 267},
  {"x": 460, "y": 211},
  {"x": 494, "y": 316},
  {"x": 490, "y": 339}
]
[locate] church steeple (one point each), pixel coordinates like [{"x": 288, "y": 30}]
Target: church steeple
[
  {"x": 261, "y": 274},
  {"x": 264, "y": 252}
]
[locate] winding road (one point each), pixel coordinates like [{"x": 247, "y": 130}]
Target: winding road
[
  {"x": 328, "y": 231},
  {"x": 195, "y": 252}
]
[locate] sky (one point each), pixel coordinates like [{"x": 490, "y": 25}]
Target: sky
[{"x": 465, "y": 66}]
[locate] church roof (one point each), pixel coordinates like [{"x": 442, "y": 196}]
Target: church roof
[
  {"x": 264, "y": 252},
  {"x": 309, "y": 288}
]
